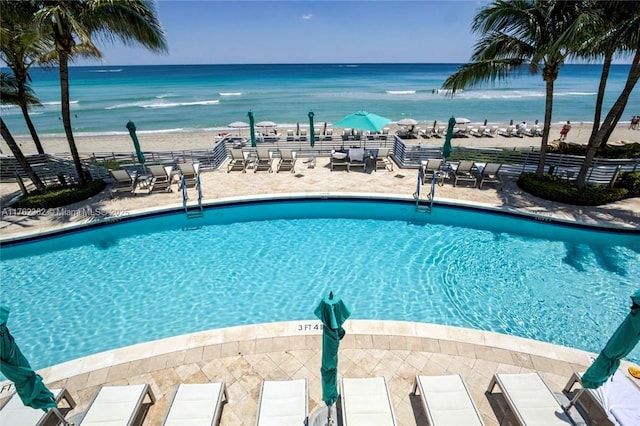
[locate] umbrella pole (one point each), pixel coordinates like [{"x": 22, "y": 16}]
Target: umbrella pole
[{"x": 60, "y": 417}]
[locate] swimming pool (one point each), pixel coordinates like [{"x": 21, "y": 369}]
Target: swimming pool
[{"x": 111, "y": 286}]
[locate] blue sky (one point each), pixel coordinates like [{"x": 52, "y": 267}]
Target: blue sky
[{"x": 355, "y": 31}]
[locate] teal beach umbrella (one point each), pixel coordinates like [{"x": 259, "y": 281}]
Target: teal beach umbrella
[
  {"x": 622, "y": 342},
  {"x": 333, "y": 313},
  {"x": 311, "y": 128},
  {"x": 363, "y": 120},
  {"x": 16, "y": 368},
  {"x": 446, "y": 148},
  {"x": 132, "y": 132},
  {"x": 252, "y": 128}
]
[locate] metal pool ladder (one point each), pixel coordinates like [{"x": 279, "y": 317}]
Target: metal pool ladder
[
  {"x": 425, "y": 204},
  {"x": 193, "y": 210}
]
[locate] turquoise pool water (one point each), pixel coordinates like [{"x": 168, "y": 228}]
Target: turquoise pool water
[{"x": 140, "y": 280}]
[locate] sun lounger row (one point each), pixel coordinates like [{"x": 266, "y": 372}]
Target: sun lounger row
[
  {"x": 359, "y": 157},
  {"x": 154, "y": 178},
  {"x": 261, "y": 159},
  {"x": 464, "y": 171}
]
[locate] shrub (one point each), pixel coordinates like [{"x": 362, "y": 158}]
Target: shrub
[
  {"x": 554, "y": 188},
  {"x": 631, "y": 182},
  {"x": 59, "y": 195}
]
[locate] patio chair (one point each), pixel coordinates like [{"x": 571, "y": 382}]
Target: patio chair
[
  {"x": 383, "y": 160},
  {"x": 196, "y": 404},
  {"x": 124, "y": 182},
  {"x": 287, "y": 160},
  {"x": 188, "y": 172},
  {"x": 283, "y": 403},
  {"x": 489, "y": 174},
  {"x": 429, "y": 167},
  {"x": 357, "y": 158},
  {"x": 530, "y": 399},
  {"x": 303, "y": 135},
  {"x": 447, "y": 401},
  {"x": 464, "y": 173},
  {"x": 15, "y": 413},
  {"x": 366, "y": 402},
  {"x": 121, "y": 405},
  {"x": 238, "y": 160},
  {"x": 159, "y": 179},
  {"x": 264, "y": 159},
  {"x": 339, "y": 159}
]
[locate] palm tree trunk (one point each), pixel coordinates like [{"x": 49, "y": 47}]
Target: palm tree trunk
[
  {"x": 610, "y": 121},
  {"x": 66, "y": 115},
  {"x": 604, "y": 75},
  {"x": 548, "y": 109},
  {"x": 32, "y": 128},
  {"x": 15, "y": 149}
]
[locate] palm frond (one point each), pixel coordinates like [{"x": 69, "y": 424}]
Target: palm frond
[
  {"x": 478, "y": 73},
  {"x": 9, "y": 91}
]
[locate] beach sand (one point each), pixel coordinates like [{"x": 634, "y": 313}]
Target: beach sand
[{"x": 178, "y": 141}]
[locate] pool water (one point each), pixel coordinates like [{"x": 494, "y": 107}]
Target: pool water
[{"x": 146, "y": 279}]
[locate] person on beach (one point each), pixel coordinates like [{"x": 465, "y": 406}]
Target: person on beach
[
  {"x": 635, "y": 122},
  {"x": 565, "y": 129}
]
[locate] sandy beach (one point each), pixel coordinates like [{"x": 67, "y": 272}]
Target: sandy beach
[{"x": 205, "y": 139}]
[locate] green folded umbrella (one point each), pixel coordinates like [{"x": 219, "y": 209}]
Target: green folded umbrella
[
  {"x": 446, "y": 149},
  {"x": 16, "y": 368},
  {"x": 622, "y": 342},
  {"x": 333, "y": 313},
  {"x": 132, "y": 132},
  {"x": 312, "y": 129},
  {"x": 252, "y": 128}
]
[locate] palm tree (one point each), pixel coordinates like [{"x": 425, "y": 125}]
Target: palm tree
[
  {"x": 21, "y": 45},
  {"x": 75, "y": 23},
  {"x": 538, "y": 34},
  {"x": 620, "y": 32},
  {"x": 9, "y": 95}
]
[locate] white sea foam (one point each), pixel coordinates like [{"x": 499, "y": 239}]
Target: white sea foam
[
  {"x": 401, "y": 92},
  {"x": 116, "y": 70},
  {"x": 230, "y": 93},
  {"x": 59, "y": 102},
  {"x": 155, "y": 104},
  {"x": 574, "y": 93}
]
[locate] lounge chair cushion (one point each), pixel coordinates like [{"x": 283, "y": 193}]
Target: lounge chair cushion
[
  {"x": 283, "y": 403},
  {"x": 115, "y": 405},
  {"x": 447, "y": 401},
  {"x": 15, "y": 413},
  {"x": 366, "y": 402},
  {"x": 196, "y": 404}
]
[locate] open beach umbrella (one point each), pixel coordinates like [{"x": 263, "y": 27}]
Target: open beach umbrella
[
  {"x": 622, "y": 342},
  {"x": 132, "y": 132},
  {"x": 407, "y": 122},
  {"x": 363, "y": 120},
  {"x": 238, "y": 125},
  {"x": 311, "y": 128},
  {"x": 266, "y": 124},
  {"x": 333, "y": 313},
  {"x": 16, "y": 368},
  {"x": 252, "y": 129},
  {"x": 446, "y": 148},
  {"x": 461, "y": 120}
]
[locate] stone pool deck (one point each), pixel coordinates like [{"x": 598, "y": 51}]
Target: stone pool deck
[{"x": 243, "y": 356}]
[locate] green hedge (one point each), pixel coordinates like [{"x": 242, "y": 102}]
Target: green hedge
[
  {"x": 59, "y": 195},
  {"x": 554, "y": 188},
  {"x": 631, "y": 182}
]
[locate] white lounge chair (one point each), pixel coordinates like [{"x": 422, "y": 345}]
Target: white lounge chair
[
  {"x": 196, "y": 404},
  {"x": 383, "y": 160},
  {"x": 264, "y": 159},
  {"x": 160, "y": 179},
  {"x": 117, "y": 405},
  {"x": 464, "y": 172},
  {"x": 15, "y": 413},
  {"x": 287, "y": 160},
  {"x": 530, "y": 399},
  {"x": 189, "y": 172},
  {"x": 124, "y": 182},
  {"x": 447, "y": 401},
  {"x": 238, "y": 160},
  {"x": 489, "y": 174},
  {"x": 618, "y": 398},
  {"x": 366, "y": 402},
  {"x": 283, "y": 403}
]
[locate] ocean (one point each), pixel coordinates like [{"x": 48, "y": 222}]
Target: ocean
[{"x": 166, "y": 98}]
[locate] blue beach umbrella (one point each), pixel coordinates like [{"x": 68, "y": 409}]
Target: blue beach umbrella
[
  {"x": 16, "y": 367},
  {"x": 622, "y": 342},
  {"x": 311, "y": 128},
  {"x": 252, "y": 128},
  {"x": 363, "y": 120},
  {"x": 446, "y": 148},
  {"x": 333, "y": 313},
  {"x": 132, "y": 132}
]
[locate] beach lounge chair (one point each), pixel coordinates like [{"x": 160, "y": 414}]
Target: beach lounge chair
[
  {"x": 431, "y": 166},
  {"x": 287, "y": 160},
  {"x": 383, "y": 160},
  {"x": 196, "y": 404},
  {"x": 489, "y": 174},
  {"x": 189, "y": 173},
  {"x": 339, "y": 159},
  {"x": 328, "y": 135},
  {"x": 384, "y": 135},
  {"x": 264, "y": 159},
  {"x": 238, "y": 160},
  {"x": 530, "y": 399},
  {"x": 618, "y": 398},
  {"x": 118, "y": 405},
  {"x": 464, "y": 173},
  {"x": 124, "y": 182},
  {"x": 303, "y": 135},
  {"x": 366, "y": 402},
  {"x": 357, "y": 158},
  {"x": 290, "y": 137},
  {"x": 283, "y": 403},
  {"x": 447, "y": 401},
  {"x": 160, "y": 179},
  {"x": 15, "y": 413}
]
